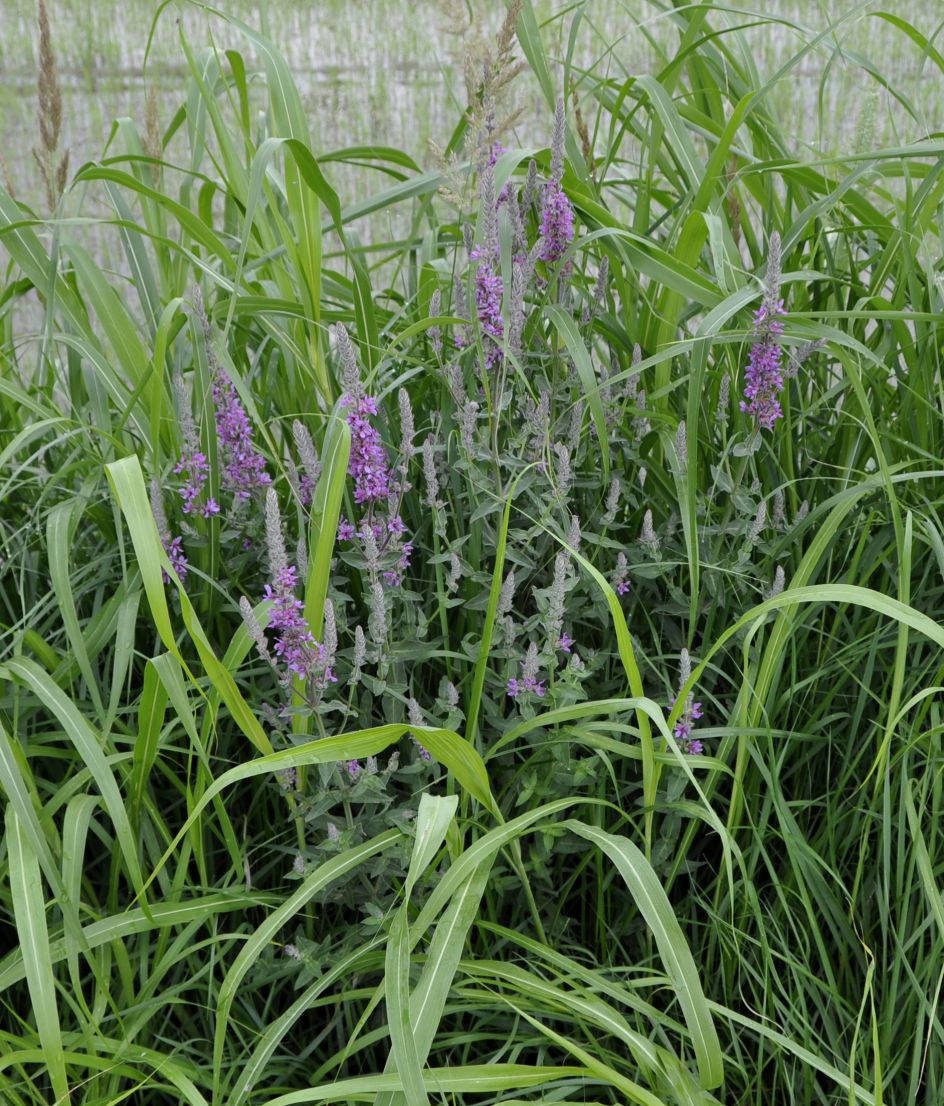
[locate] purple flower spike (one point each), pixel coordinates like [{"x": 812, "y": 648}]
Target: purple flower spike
[
  {"x": 368, "y": 461},
  {"x": 195, "y": 467},
  {"x": 763, "y": 378},
  {"x": 244, "y": 470},
  {"x": 489, "y": 289},
  {"x": 346, "y": 530},
  {"x": 557, "y": 222},
  {"x": 174, "y": 548}
]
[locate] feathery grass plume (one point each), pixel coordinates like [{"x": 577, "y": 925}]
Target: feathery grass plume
[
  {"x": 52, "y": 171},
  {"x": 506, "y": 595},
  {"x": 724, "y": 402},
  {"x": 576, "y": 422},
  {"x": 434, "y": 332},
  {"x": 530, "y": 191},
  {"x": 612, "y": 501},
  {"x": 799, "y": 354},
  {"x": 681, "y": 448},
  {"x": 489, "y": 71},
  {"x": 777, "y": 586},
  {"x": 429, "y": 473},
  {"x": 416, "y": 719},
  {"x": 778, "y": 515},
  {"x": 757, "y": 526},
  {"x": 255, "y": 631},
  {"x": 555, "y": 601},
  {"x": 275, "y": 540},
  {"x": 598, "y": 295},
  {"x": 350, "y": 370},
  {"x": 516, "y": 308},
  {"x": 649, "y": 539},
  {"x": 764, "y": 375},
  {"x": 565, "y": 474},
  {"x": 329, "y": 634},
  {"x": 455, "y": 573},
  {"x": 463, "y": 334},
  {"x": 468, "y": 422},
  {"x": 301, "y": 555},
  {"x": 537, "y": 423},
  {"x": 358, "y": 656},
  {"x": 407, "y": 435},
  {"x": 377, "y": 623},
  {"x": 308, "y": 455}
]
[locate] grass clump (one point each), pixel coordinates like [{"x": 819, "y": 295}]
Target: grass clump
[{"x": 495, "y": 664}]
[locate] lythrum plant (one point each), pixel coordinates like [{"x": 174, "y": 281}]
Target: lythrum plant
[{"x": 495, "y": 660}]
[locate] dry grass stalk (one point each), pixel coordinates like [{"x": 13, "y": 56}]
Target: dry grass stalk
[
  {"x": 50, "y": 116},
  {"x": 583, "y": 133},
  {"x": 489, "y": 70},
  {"x": 153, "y": 139}
]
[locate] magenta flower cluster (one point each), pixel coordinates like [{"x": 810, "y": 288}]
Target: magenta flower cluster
[
  {"x": 195, "y": 467},
  {"x": 244, "y": 469},
  {"x": 368, "y": 461},
  {"x": 294, "y": 644},
  {"x": 174, "y": 548},
  {"x": 685, "y": 725},
  {"x": 527, "y": 682},
  {"x": 489, "y": 289},
  {"x": 557, "y": 222},
  {"x": 764, "y": 373}
]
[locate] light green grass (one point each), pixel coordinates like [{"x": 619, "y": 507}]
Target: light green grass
[{"x": 561, "y": 906}]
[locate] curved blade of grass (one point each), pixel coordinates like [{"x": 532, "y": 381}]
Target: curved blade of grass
[
  {"x": 29, "y": 912},
  {"x": 655, "y": 907}
]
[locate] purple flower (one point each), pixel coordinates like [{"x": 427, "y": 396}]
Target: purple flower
[
  {"x": 685, "y": 725},
  {"x": 623, "y": 587},
  {"x": 557, "y": 222},
  {"x": 764, "y": 373},
  {"x": 528, "y": 683},
  {"x": 174, "y": 548},
  {"x": 353, "y": 768},
  {"x": 489, "y": 289},
  {"x": 294, "y": 644},
  {"x": 368, "y": 461},
  {"x": 244, "y": 470},
  {"x": 396, "y": 526},
  {"x": 195, "y": 466},
  {"x": 346, "y": 530},
  {"x": 211, "y": 507},
  {"x": 565, "y": 641}
]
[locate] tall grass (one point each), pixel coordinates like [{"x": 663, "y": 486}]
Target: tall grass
[{"x": 468, "y": 849}]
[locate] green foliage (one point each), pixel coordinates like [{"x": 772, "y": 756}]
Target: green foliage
[{"x": 467, "y": 848}]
